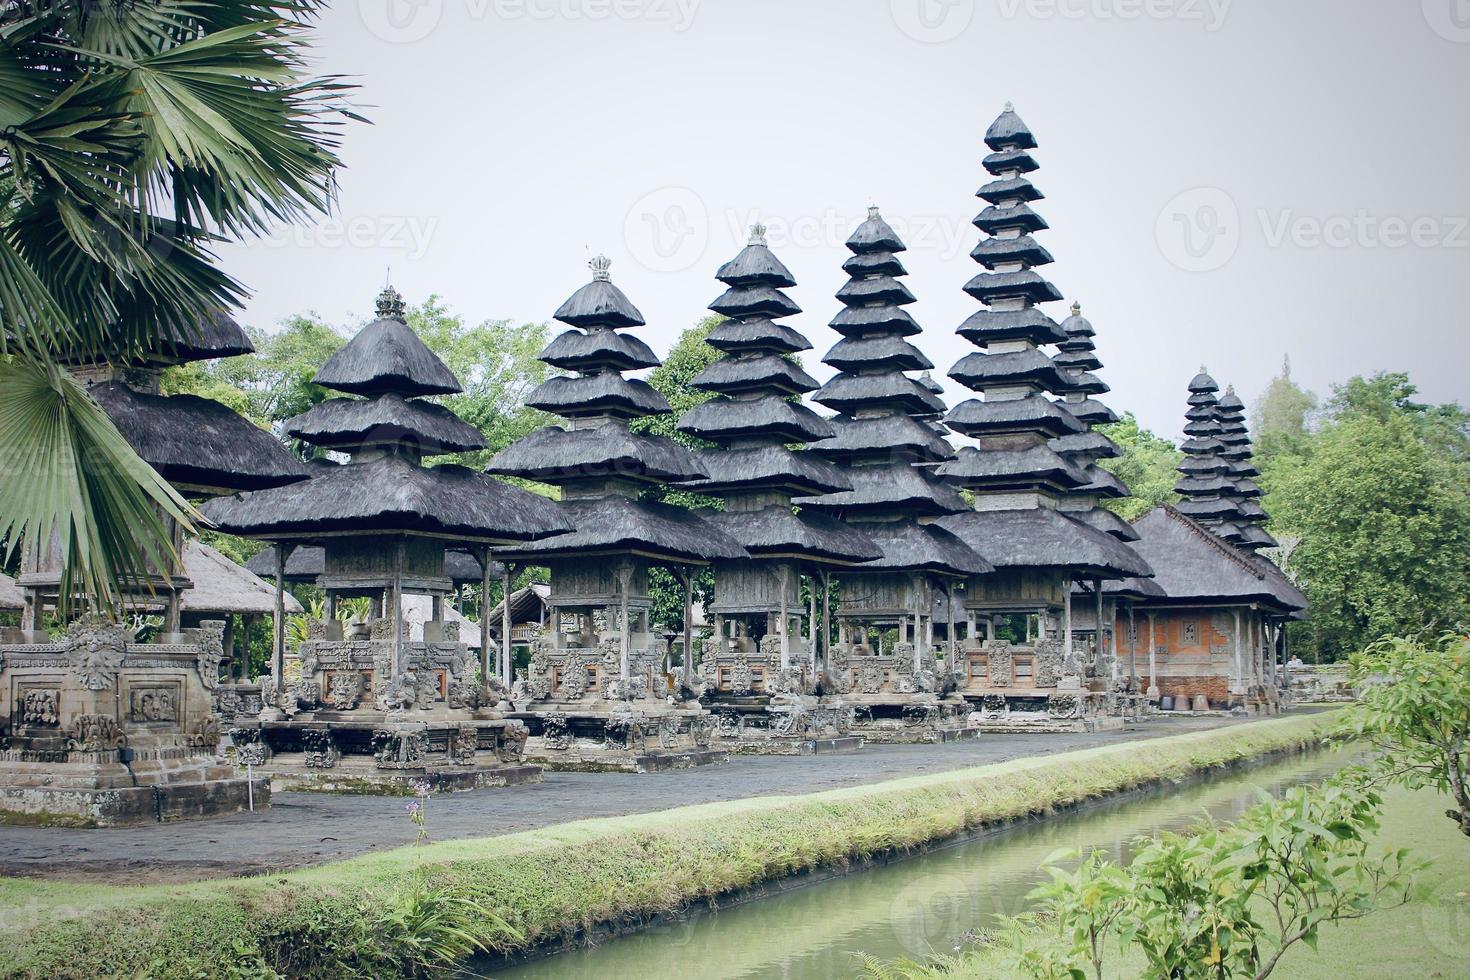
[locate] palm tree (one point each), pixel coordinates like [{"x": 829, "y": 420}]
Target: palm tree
[{"x": 133, "y": 135}]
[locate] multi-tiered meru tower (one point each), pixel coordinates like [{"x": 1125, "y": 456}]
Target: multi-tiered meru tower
[
  {"x": 370, "y": 706},
  {"x": 761, "y": 672},
  {"x": 886, "y": 661},
  {"x": 1017, "y": 477},
  {"x": 1246, "y": 493},
  {"x": 596, "y": 693}
]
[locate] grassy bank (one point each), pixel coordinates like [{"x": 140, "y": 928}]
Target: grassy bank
[
  {"x": 1429, "y": 937},
  {"x": 372, "y": 914}
]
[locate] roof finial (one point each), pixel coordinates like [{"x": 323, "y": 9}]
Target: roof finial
[
  {"x": 758, "y": 234},
  {"x": 873, "y": 214},
  {"x": 1230, "y": 389},
  {"x": 1010, "y": 107},
  {"x": 1203, "y": 369},
  {"x": 1076, "y": 308},
  {"x": 390, "y": 304},
  {"x": 600, "y": 264}
]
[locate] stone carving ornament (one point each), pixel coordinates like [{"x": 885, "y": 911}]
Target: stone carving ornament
[
  {"x": 742, "y": 678},
  {"x": 1001, "y": 658},
  {"x": 1048, "y": 666},
  {"x": 96, "y": 649},
  {"x": 95, "y": 733},
  {"x": 464, "y": 742},
  {"x": 250, "y": 748},
  {"x": 398, "y": 750},
  {"x": 40, "y": 708},
  {"x": 702, "y": 730},
  {"x": 555, "y": 733},
  {"x": 668, "y": 732},
  {"x": 344, "y": 690},
  {"x": 870, "y": 679},
  {"x": 319, "y": 748},
  {"x": 211, "y": 651},
  {"x": 512, "y": 747},
  {"x": 1063, "y": 706}
]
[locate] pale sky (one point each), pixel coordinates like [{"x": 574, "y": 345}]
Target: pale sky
[{"x": 1227, "y": 181}]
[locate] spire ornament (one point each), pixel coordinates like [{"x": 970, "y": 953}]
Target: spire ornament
[
  {"x": 390, "y": 305},
  {"x": 758, "y": 234},
  {"x": 600, "y": 266}
]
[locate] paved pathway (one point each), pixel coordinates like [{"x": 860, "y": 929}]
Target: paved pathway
[{"x": 311, "y": 828}]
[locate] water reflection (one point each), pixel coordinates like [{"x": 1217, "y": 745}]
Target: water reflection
[{"x": 910, "y": 908}]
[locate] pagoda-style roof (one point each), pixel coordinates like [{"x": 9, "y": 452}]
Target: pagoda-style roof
[
  {"x": 884, "y": 490},
  {"x": 979, "y": 370},
  {"x": 861, "y": 321},
  {"x": 197, "y": 442},
  {"x": 211, "y": 336},
  {"x": 618, "y": 525},
  {"x": 11, "y": 596},
  {"x": 1102, "y": 519},
  {"x": 599, "y": 303},
  {"x": 850, "y": 393},
  {"x": 387, "y": 356},
  {"x": 349, "y": 424},
  {"x": 876, "y": 353},
  {"x": 770, "y": 417},
  {"x": 389, "y": 495},
  {"x": 1009, "y": 132},
  {"x": 308, "y": 562},
  {"x": 1008, "y": 469},
  {"x": 985, "y": 327},
  {"x": 1091, "y": 412},
  {"x": 772, "y": 468},
  {"x": 575, "y": 350},
  {"x": 910, "y": 546},
  {"x": 755, "y": 373},
  {"x": 883, "y": 437},
  {"x": 1092, "y": 444},
  {"x": 1041, "y": 537},
  {"x": 556, "y": 455},
  {"x": 607, "y": 395},
  {"x": 760, "y": 333},
  {"x": 1192, "y": 565},
  {"x": 1034, "y": 413},
  {"x": 776, "y": 531}
]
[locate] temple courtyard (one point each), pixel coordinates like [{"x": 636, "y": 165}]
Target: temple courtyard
[{"x": 302, "y": 829}]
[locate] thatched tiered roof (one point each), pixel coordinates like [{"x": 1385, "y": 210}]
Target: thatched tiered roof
[
  {"x": 1032, "y": 451},
  {"x": 1079, "y": 359},
  {"x": 385, "y": 490},
  {"x": 597, "y": 460},
  {"x": 11, "y": 596},
  {"x": 307, "y": 563},
  {"x": 883, "y": 433}
]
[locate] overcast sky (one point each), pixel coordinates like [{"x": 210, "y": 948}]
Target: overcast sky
[{"x": 1227, "y": 181}]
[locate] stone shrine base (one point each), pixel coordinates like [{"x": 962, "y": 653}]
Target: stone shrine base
[
  {"x": 70, "y": 794},
  {"x": 288, "y": 772}
]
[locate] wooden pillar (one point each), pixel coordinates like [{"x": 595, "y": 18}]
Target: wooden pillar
[
  {"x": 953, "y": 640},
  {"x": 278, "y": 633},
  {"x": 1132, "y": 647},
  {"x": 397, "y": 617},
  {"x": 1067, "y": 621},
  {"x": 506, "y": 667},
  {"x": 811, "y": 624},
  {"x": 1098, "y": 652},
  {"x": 1153, "y": 658},
  {"x": 624, "y": 575},
  {"x": 228, "y": 642},
  {"x": 785, "y": 635},
  {"x": 688, "y": 582},
  {"x": 826, "y": 616},
  {"x": 1235, "y": 638},
  {"x": 485, "y": 619}
]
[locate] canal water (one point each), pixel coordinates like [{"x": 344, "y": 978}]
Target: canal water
[{"x": 915, "y": 907}]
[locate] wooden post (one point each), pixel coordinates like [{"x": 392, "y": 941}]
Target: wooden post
[
  {"x": 278, "y": 633},
  {"x": 398, "y": 664},
  {"x": 1153, "y": 662},
  {"x": 688, "y": 580},
  {"x": 826, "y": 617},
  {"x": 953, "y": 640},
  {"x": 1132, "y": 648},
  {"x": 485, "y": 619},
  {"x": 1067, "y": 622},
  {"x": 624, "y": 574},
  {"x": 1098, "y": 653},
  {"x": 1239, "y": 680},
  {"x": 507, "y": 669},
  {"x": 785, "y": 584},
  {"x": 811, "y": 624}
]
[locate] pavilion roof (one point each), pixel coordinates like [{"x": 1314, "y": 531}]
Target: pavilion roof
[
  {"x": 1041, "y": 537},
  {"x": 555, "y": 455},
  {"x": 774, "y": 468},
  {"x": 11, "y": 596},
  {"x": 387, "y": 356},
  {"x": 911, "y": 546},
  {"x": 308, "y": 562},
  {"x": 888, "y": 489},
  {"x": 777, "y": 530},
  {"x": 615, "y": 524},
  {"x": 348, "y": 424},
  {"x": 197, "y": 441}
]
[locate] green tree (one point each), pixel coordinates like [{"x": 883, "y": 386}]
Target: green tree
[
  {"x": 1381, "y": 504},
  {"x": 1414, "y": 705},
  {"x": 1146, "y": 467},
  {"x": 1279, "y": 418},
  {"x": 132, "y": 137}
]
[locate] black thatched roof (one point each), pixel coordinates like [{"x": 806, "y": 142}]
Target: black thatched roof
[
  {"x": 213, "y": 336},
  {"x": 760, "y": 372},
  {"x": 1085, "y": 383},
  {"x": 776, "y": 530},
  {"x": 388, "y": 420},
  {"x": 1102, "y": 483},
  {"x": 979, "y": 370},
  {"x": 876, "y": 353},
  {"x": 609, "y": 394},
  {"x": 875, "y": 235},
  {"x": 772, "y": 417},
  {"x": 1202, "y": 383},
  {"x": 1093, "y": 445},
  {"x": 1077, "y": 360},
  {"x": 773, "y": 468},
  {"x": 988, "y": 287},
  {"x": 1009, "y": 132},
  {"x": 756, "y": 265},
  {"x": 599, "y": 303},
  {"x": 1091, "y": 412},
  {"x": 995, "y": 252},
  {"x": 760, "y": 333},
  {"x": 741, "y": 302},
  {"x": 308, "y": 562},
  {"x": 1078, "y": 329},
  {"x": 1006, "y": 161},
  {"x": 387, "y": 356},
  {"x": 886, "y": 490},
  {"x": 195, "y": 441},
  {"x": 620, "y": 525},
  {"x": 1009, "y": 189},
  {"x": 858, "y": 321},
  {"x": 577, "y": 350},
  {"x": 893, "y": 437},
  {"x": 1191, "y": 564},
  {"x": 1006, "y": 469},
  {"x": 850, "y": 393},
  {"x": 1208, "y": 507},
  {"x": 1102, "y": 519},
  {"x": 609, "y": 450},
  {"x": 910, "y": 546},
  {"x": 390, "y": 495},
  {"x": 1044, "y": 538},
  {"x": 985, "y": 327},
  {"x": 1034, "y": 413}
]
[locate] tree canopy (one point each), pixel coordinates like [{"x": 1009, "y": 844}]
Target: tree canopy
[{"x": 1146, "y": 467}]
